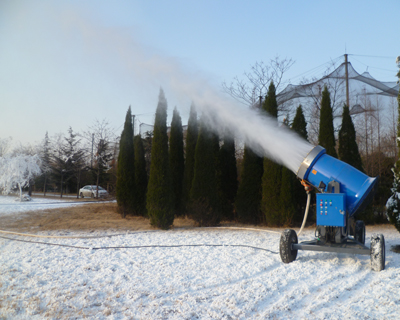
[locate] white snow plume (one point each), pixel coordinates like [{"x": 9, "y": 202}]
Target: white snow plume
[
  {"x": 259, "y": 131},
  {"x": 183, "y": 83}
]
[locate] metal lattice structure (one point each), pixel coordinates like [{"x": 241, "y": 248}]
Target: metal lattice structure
[{"x": 343, "y": 74}]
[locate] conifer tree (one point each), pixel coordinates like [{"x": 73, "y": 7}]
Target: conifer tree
[
  {"x": 46, "y": 159},
  {"x": 272, "y": 175},
  {"x": 204, "y": 192},
  {"x": 177, "y": 161},
  {"x": 227, "y": 176},
  {"x": 348, "y": 148},
  {"x": 140, "y": 177},
  {"x": 286, "y": 197},
  {"x": 393, "y": 204},
  {"x": 160, "y": 196},
  {"x": 126, "y": 169},
  {"x": 299, "y": 125},
  {"x": 68, "y": 161},
  {"x": 191, "y": 140},
  {"x": 326, "y": 135},
  {"x": 248, "y": 199}
]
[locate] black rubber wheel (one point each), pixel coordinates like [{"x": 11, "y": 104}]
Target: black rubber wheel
[
  {"x": 359, "y": 234},
  {"x": 378, "y": 252},
  {"x": 288, "y": 237},
  {"x": 81, "y": 195}
]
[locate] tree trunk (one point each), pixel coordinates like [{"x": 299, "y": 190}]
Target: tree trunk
[
  {"x": 20, "y": 192},
  {"x": 30, "y": 189},
  {"x": 61, "y": 186},
  {"x": 44, "y": 188},
  {"x": 77, "y": 184},
  {"x": 97, "y": 182}
]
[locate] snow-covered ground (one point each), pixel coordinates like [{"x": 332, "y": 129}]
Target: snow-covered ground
[
  {"x": 9, "y": 204},
  {"x": 191, "y": 274}
]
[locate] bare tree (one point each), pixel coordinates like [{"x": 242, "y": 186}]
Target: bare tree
[
  {"x": 254, "y": 86},
  {"x": 101, "y": 144}
]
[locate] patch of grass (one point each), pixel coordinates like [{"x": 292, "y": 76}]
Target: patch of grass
[
  {"x": 396, "y": 248},
  {"x": 87, "y": 217}
]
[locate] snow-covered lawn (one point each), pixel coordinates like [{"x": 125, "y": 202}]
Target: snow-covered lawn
[
  {"x": 9, "y": 204},
  {"x": 159, "y": 275}
]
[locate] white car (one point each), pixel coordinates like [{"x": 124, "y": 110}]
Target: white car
[{"x": 91, "y": 192}]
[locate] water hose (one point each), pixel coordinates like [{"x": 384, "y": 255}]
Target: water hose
[{"x": 308, "y": 189}]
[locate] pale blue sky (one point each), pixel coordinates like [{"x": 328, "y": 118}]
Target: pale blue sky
[{"x": 67, "y": 63}]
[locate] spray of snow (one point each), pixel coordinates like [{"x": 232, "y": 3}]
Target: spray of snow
[
  {"x": 259, "y": 131},
  {"x": 186, "y": 84}
]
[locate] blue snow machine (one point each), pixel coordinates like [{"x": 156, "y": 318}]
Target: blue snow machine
[{"x": 342, "y": 192}]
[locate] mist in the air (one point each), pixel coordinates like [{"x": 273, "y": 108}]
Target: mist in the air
[{"x": 182, "y": 83}]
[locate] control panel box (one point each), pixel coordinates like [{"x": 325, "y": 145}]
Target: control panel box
[{"x": 331, "y": 209}]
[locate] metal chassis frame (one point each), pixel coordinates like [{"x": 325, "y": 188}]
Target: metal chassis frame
[{"x": 350, "y": 247}]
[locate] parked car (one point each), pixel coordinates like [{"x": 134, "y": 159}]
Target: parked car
[{"x": 91, "y": 191}]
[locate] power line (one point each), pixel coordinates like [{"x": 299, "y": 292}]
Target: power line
[
  {"x": 333, "y": 62},
  {"x": 364, "y": 55}
]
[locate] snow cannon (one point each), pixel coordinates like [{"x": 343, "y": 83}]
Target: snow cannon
[{"x": 342, "y": 192}]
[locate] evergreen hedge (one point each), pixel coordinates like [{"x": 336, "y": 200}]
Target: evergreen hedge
[
  {"x": 299, "y": 125},
  {"x": 272, "y": 173},
  {"x": 227, "y": 177},
  {"x": 348, "y": 148},
  {"x": 393, "y": 204},
  {"x": 125, "y": 186},
  {"x": 140, "y": 177},
  {"x": 204, "y": 201},
  {"x": 177, "y": 161},
  {"x": 326, "y": 135},
  {"x": 248, "y": 199},
  {"x": 191, "y": 140},
  {"x": 160, "y": 197}
]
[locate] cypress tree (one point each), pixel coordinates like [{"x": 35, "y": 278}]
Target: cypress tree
[
  {"x": 160, "y": 199},
  {"x": 326, "y": 135},
  {"x": 248, "y": 199},
  {"x": 299, "y": 125},
  {"x": 272, "y": 176},
  {"x": 393, "y": 204},
  {"x": 286, "y": 197},
  {"x": 204, "y": 193},
  {"x": 126, "y": 170},
  {"x": 176, "y": 159},
  {"x": 348, "y": 148},
  {"x": 227, "y": 177},
  {"x": 140, "y": 176},
  {"x": 191, "y": 140}
]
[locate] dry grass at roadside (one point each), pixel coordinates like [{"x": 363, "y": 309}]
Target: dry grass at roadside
[{"x": 87, "y": 217}]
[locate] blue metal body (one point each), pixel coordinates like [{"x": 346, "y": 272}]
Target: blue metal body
[
  {"x": 331, "y": 209},
  {"x": 319, "y": 167}
]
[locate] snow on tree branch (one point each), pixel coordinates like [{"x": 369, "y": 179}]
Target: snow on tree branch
[{"x": 17, "y": 171}]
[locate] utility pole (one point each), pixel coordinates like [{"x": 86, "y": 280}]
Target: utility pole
[
  {"x": 91, "y": 162},
  {"x": 347, "y": 80},
  {"x": 133, "y": 124}
]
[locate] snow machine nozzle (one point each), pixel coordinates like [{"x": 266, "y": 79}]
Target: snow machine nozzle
[{"x": 321, "y": 171}]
